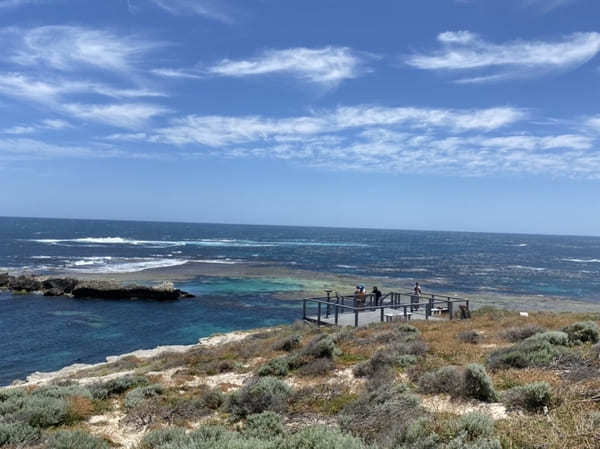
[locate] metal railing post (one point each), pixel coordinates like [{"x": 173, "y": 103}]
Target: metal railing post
[
  {"x": 304, "y": 309},
  {"x": 450, "y": 309},
  {"x": 328, "y": 299},
  {"x": 319, "y": 314},
  {"x": 381, "y": 313},
  {"x": 355, "y": 318},
  {"x": 336, "y": 313}
]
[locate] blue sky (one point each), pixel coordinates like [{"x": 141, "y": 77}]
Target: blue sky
[{"x": 438, "y": 114}]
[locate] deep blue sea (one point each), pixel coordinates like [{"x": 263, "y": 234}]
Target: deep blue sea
[{"x": 44, "y": 334}]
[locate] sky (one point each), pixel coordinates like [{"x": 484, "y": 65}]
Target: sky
[{"x": 471, "y": 115}]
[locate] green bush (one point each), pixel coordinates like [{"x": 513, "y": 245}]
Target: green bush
[
  {"x": 474, "y": 426},
  {"x": 595, "y": 351},
  {"x": 478, "y": 385},
  {"x": 470, "y": 382},
  {"x": 472, "y": 337},
  {"x": 516, "y": 334},
  {"x": 418, "y": 435},
  {"x": 277, "y": 367},
  {"x": 259, "y": 395},
  {"x": 552, "y": 337},
  {"x": 484, "y": 443},
  {"x": 43, "y": 411},
  {"x": 532, "y": 397},
  {"x": 404, "y": 328},
  {"x": 582, "y": 332},
  {"x": 320, "y": 346},
  {"x": 382, "y": 416},
  {"x": 317, "y": 367},
  {"x": 448, "y": 380},
  {"x": 138, "y": 395},
  {"x": 528, "y": 353},
  {"x": 62, "y": 392},
  {"x": 17, "y": 433},
  {"x": 11, "y": 394},
  {"x": 287, "y": 343},
  {"x": 117, "y": 386},
  {"x": 265, "y": 425},
  {"x": 162, "y": 437},
  {"x": 64, "y": 439},
  {"x": 320, "y": 437}
]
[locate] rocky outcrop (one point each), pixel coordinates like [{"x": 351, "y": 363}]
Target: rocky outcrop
[
  {"x": 4, "y": 277},
  {"x": 66, "y": 285},
  {"x": 110, "y": 290},
  {"x": 24, "y": 284},
  {"x": 90, "y": 289}
]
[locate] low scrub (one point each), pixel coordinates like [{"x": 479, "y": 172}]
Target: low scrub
[
  {"x": 317, "y": 367},
  {"x": 118, "y": 386},
  {"x": 516, "y": 334},
  {"x": 288, "y": 343},
  {"x": 265, "y": 425},
  {"x": 583, "y": 332},
  {"x": 64, "y": 439},
  {"x": 259, "y": 395},
  {"x": 278, "y": 367},
  {"x": 472, "y": 337},
  {"x": 471, "y": 382},
  {"x": 532, "y": 397},
  {"x": 138, "y": 395},
  {"x": 473, "y": 431},
  {"x": 553, "y": 337},
  {"x": 320, "y": 346},
  {"x": 529, "y": 353},
  {"x": 382, "y": 416},
  {"x": 17, "y": 434},
  {"x": 158, "y": 438}
]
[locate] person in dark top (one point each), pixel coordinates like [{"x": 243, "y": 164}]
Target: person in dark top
[
  {"x": 377, "y": 294},
  {"x": 417, "y": 289}
]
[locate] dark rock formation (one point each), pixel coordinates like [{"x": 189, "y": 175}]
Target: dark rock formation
[
  {"x": 4, "y": 277},
  {"x": 66, "y": 285},
  {"x": 24, "y": 284},
  {"x": 90, "y": 289},
  {"x": 110, "y": 290}
]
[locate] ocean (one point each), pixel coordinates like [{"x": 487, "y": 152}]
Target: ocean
[{"x": 45, "y": 334}]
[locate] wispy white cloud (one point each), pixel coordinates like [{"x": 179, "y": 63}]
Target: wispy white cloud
[
  {"x": 463, "y": 50},
  {"x": 326, "y": 66},
  {"x": 175, "y": 73},
  {"x": 224, "y": 130},
  {"x": 47, "y": 124},
  {"x": 593, "y": 122},
  {"x": 122, "y": 115},
  {"x": 68, "y": 47},
  {"x": 206, "y": 8}
]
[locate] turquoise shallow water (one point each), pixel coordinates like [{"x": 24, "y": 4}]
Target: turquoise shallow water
[{"x": 42, "y": 334}]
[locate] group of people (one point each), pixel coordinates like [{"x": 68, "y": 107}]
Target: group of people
[{"x": 361, "y": 293}]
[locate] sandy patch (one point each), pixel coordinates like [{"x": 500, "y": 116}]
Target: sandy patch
[
  {"x": 109, "y": 425},
  {"x": 445, "y": 404}
]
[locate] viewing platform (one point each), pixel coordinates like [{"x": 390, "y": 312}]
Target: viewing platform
[{"x": 352, "y": 310}]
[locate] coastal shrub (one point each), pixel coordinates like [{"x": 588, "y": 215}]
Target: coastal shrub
[
  {"x": 583, "y": 332},
  {"x": 474, "y": 425},
  {"x": 382, "y": 360},
  {"x": 158, "y": 438},
  {"x": 78, "y": 439},
  {"x": 43, "y": 411},
  {"x": 265, "y": 425},
  {"x": 404, "y": 328},
  {"x": 552, "y": 337},
  {"x": 483, "y": 443},
  {"x": 317, "y": 367},
  {"x": 277, "y": 367},
  {"x": 595, "y": 351},
  {"x": 529, "y": 353},
  {"x": 531, "y": 397},
  {"x": 259, "y": 395},
  {"x": 471, "y": 382},
  {"x": 116, "y": 386},
  {"x": 62, "y": 392},
  {"x": 419, "y": 435},
  {"x": 472, "y": 337},
  {"x": 17, "y": 433},
  {"x": 478, "y": 384},
  {"x": 382, "y": 416},
  {"x": 288, "y": 343},
  {"x": 448, "y": 380},
  {"x": 11, "y": 393},
  {"x": 516, "y": 334},
  {"x": 320, "y": 437},
  {"x": 138, "y": 395},
  {"x": 320, "y": 346}
]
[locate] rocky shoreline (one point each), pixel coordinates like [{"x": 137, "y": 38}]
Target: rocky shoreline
[{"x": 81, "y": 288}]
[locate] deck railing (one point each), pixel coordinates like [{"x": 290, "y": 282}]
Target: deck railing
[{"x": 335, "y": 304}]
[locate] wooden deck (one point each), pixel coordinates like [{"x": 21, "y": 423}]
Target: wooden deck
[{"x": 349, "y": 310}]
